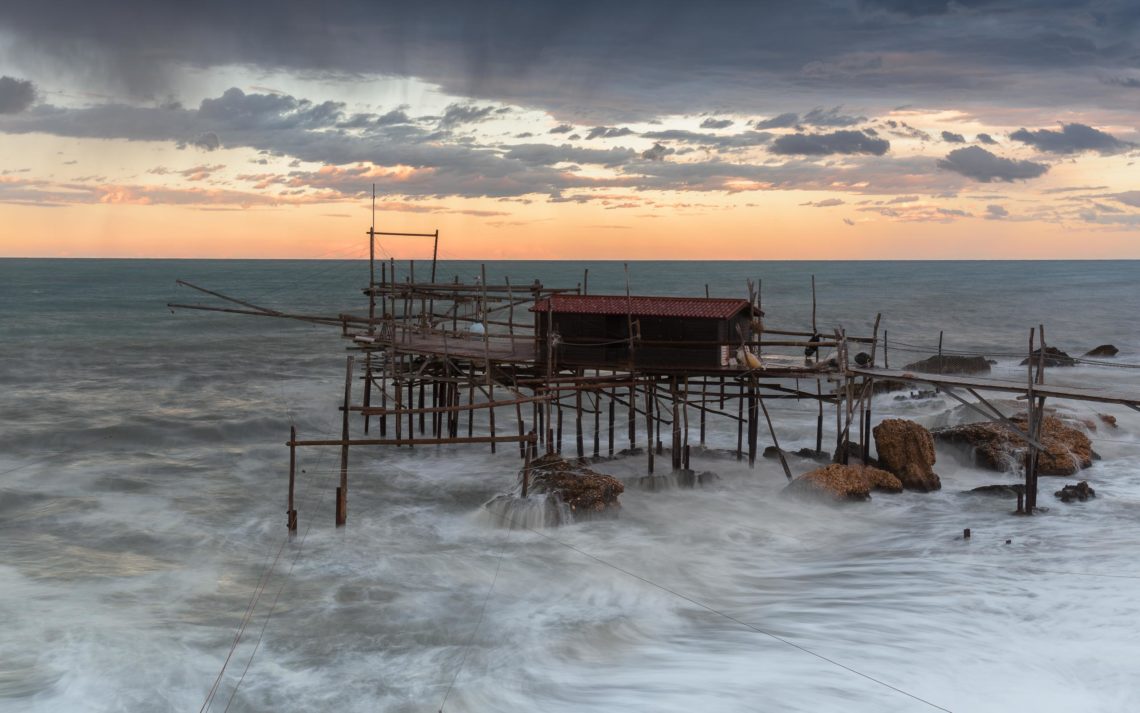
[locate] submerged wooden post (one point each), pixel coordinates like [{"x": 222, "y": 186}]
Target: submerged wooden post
[
  {"x": 819, "y": 417},
  {"x": 632, "y": 415},
  {"x": 597, "y": 424},
  {"x": 342, "y": 491},
  {"x": 675, "y": 448},
  {"x": 1031, "y": 418},
  {"x": 752, "y": 416},
  {"x": 578, "y": 421},
  {"x": 649, "y": 425},
  {"x": 291, "y": 512}
]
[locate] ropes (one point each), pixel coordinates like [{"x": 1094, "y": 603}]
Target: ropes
[{"x": 706, "y": 607}]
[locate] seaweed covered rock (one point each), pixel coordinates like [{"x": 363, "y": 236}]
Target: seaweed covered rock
[
  {"x": 838, "y": 483},
  {"x": 951, "y": 365},
  {"x": 996, "y": 447},
  {"x": 581, "y": 488},
  {"x": 1081, "y": 491},
  {"x": 1053, "y": 357},
  {"x": 906, "y": 449}
]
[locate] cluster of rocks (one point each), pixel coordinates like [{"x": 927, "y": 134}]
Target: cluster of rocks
[
  {"x": 579, "y": 487},
  {"x": 996, "y": 447},
  {"x": 906, "y": 460},
  {"x": 951, "y": 365}
]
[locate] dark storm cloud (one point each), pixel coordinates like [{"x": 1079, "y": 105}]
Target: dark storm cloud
[
  {"x": 16, "y": 95},
  {"x": 602, "y": 62},
  {"x": 838, "y": 142},
  {"x": 952, "y": 138},
  {"x": 208, "y": 141},
  {"x": 562, "y": 129},
  {"x": 712, "y": 123},
  {"x": 981, "y": 165},
  {"x": 1127, "y": 82},
  {"x": 1072, "y": 138},
  {"x": 986, "y": 139}
]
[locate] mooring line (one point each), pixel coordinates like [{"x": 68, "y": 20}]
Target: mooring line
[
  {"x": 729, "y": 617},
  {"x": 479, "y": 621}
]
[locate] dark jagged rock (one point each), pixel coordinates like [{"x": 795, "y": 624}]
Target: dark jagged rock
[
  {"x": 1011, "y": 490},
  {"x": 582, "y": 489},
  {"x": 863, "y": 359},
  {"x": 854, "y": 456},
  {"x": 707, "y": 477},
  {"x": 951, "y": 365},
  {"x": 996, "y": 447},
  {"x": 1081, "y": 491},
  {"x": 818, "y": 456},
  {"x": 1104, "y": 350},
  {"x": 1053, "y": 357},
  {"x": 906, "y": 449},
  {"x": 920, "y": 394},
  {"x": 838, "y": 483},
  {"x": 883, "y": 386}
]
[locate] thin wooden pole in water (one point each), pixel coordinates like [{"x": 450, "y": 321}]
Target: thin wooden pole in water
[
  {"x": 342, "y": 491},
  {"x": 613, "y": 414},
  {"x": 291, "y": 512}
]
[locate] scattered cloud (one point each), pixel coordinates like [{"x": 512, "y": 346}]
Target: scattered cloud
[
  {"x": 783, "y": 121},
  {"x": 825, "y": 203},
  {"x": 831, "y": 117},
  {"x": 657, "y": 153},
  {"x": 981, "y": 165},
  {"x": 986, "y": 139},
  {"x": 607, "y": 132},
  {"x": 458, "y": 114},
  {"x": 711, "y": 123},
  {"x": 952, "y": 138},
  {"x": 562, "y": 129},
  {"x": 848, "y": 221},
  {"x": 1072, "y": 138},
  {"x": 838, "y": 142}
]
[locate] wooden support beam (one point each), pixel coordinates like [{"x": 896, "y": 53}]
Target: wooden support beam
[{"x": 291, "y": 511}]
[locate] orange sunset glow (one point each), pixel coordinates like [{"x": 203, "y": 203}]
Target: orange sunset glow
[{"x": 846, "y": 146}]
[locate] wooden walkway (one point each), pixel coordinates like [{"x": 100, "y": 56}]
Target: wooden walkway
[{"x": 1107, "y": 395}]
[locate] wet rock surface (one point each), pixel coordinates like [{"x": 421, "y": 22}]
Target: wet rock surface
[
  {"x": 1001, "y": 489},
  {"x": 1081, "y": 491},
  {"x": 1104, "y": 350},
  {"x": 906, "y": 450},
  {"x": 839, "y": 483},
  {"x": 996, "y": 447},
  {"x": 951, "y": 365},
  {"x": 582, "y": 489}
]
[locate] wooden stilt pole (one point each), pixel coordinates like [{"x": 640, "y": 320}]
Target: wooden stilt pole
[
  {"x": 775, "y": 441},
  {"x": 578, "y": 421},
  {"x": 752, "y": 417},
  {"x": 597, "y": 423},
  {"x": 613, "y": 414},
  {"x": 342, "y": 491}
]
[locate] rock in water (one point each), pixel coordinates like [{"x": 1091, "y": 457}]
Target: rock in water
[
  {"x": 837, "y": 483},
  {"x": 1104, "y": 350},
  {"x": 906, "y": 449},
  {"x": 1081, "y": 491},
  {"x": 951, "y": 365},
  {"x": 584, "y": 490},
  {"x": 1107, "y": 418},
  {"x": 1053, "y": 357},
  {"x": 1012, "y": 490},
  {"x": 996, "y": 447}
]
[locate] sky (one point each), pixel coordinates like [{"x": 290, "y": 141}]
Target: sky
[{"x": 842, "y": 129}]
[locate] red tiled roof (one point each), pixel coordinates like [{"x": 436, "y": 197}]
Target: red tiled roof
[{"x": 692, "y": 307}]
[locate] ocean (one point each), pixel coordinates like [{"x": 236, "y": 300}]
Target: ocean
[{"x": 142, "y": 517}]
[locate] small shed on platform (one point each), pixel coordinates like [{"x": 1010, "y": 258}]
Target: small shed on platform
[{"x": 671, "y": 332}]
